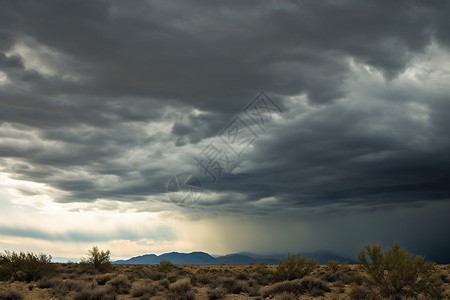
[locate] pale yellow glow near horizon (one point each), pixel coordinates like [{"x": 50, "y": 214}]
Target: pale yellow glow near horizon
[{"x": 105, "y": 219}]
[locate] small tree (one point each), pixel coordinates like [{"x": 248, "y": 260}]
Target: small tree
[
  {"x": 396, "y": 273},
  {"x": 294, "y": 267},
  {"x": 97, "y": 260}
]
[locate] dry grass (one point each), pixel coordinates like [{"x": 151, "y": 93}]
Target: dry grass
[
  {"x": 10, "y": 294},
  {"x": 331, "y": 281}
]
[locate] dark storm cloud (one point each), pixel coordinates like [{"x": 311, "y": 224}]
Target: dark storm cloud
[
  {"x": 129, "y": 65},
  {"x": 217, "y": 57},
  {"x": 337, "y": 156}
]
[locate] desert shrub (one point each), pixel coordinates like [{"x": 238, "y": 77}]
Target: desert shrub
[
  {"x": 330, "y": 277},
  {"x": 77, "y": 285},
  {"x": 290, "y": 286},
  {"x": 332, "y": 266},
  {"x": 261, "y": 268},
  {"x": 164, "y": 283},
  {"x": 444, "y": 278},
  {"x": 335, "y": 272},
  {"x": 121, "y": 284},
  {"x": 25, "y": 266},
  {"x": 142, "y": 288},
  {"x": 334, "y": 295},
  {"x": 242, "y": 276},
  {"x": 97, "y": 260},
  {"x": 69, "y": 275},
  {"x": 98, "y": 293},
  {"x": 216, "y": 293},
  {"x": 10, "y": 294},
  {"x": 205, "y": 278},
  {"x": 351, "y": 276},
  {"x": 144, "y": 272},
  {"x": 312, "y": 286},
  {"x": 181, "y": 289},
  {"x": 156, "y": 275},
  {"x": 263, "y": 275},
  {"x": 252, "y": 287},
  {"x": 46, "y": 283},
  {"x": 166, "y": 266},
  {"x": 234, "y": 286},
  {"x": 181, "y": 286},
  {"x": 174, "y": 276},
  {"x": 104, "y": 278},
  {"x": 63, "y": 288},
  {"x": 285, "y": 296},
  {"x": 396, "y": 273},
  {"x": 294, "y": 267},
  {"x": 358, "y": 292},
  {"x": 339, "y": 284}
]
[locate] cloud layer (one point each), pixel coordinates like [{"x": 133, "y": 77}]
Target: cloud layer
[{"x": 102, "y": 102}]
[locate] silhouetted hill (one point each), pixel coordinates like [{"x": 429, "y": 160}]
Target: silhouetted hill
[
  {"x": 234, "y": 259},
  {"x": 242, "y": 258},
  {"x": 323, "y": 257}
]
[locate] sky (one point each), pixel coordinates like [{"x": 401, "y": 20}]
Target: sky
[{"x": 338, "y": 109}]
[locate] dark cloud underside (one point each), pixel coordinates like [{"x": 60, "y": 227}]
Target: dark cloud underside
[{"x": 109, "y": 99}]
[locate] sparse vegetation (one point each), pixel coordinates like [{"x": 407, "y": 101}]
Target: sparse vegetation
[
  {"x": 10, "y": 294},
  {"x": 294, "y": 267},
  {"x": 312, "y": 286},
  {"x": 181, "y": 289},
  {"x": 216, "y": 293},
  {"x": 46, "y": 283},
  {"x": 166, "y": 266},
  {"x": 97, "y": 260},
  {"x": 96, "y": 293},
  {"x": 285, "y": 296},
  {"x": 144, "y": 288},
  {"x": 121, "y": 284},
  {"x": 294, "y": 278},
  {"x": 24, "y": 266},
  {"x": 333, "y": 266},
  {"x": 395, "y": 273}
]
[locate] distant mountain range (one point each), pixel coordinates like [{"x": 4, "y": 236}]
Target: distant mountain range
[{"x": 242, "y": 258}]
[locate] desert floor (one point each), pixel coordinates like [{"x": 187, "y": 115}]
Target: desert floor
[{"x": 69, "y": 281}]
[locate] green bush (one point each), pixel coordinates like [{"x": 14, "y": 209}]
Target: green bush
[
  {"x": 97, "y": 260},
  {"x": 294, "y": 267},
  {"x": 396, "y": 273},
  {"x": 25, "y": 266}
]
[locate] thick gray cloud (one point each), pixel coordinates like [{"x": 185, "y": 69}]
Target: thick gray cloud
[{"x": 108, "y": 100}]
